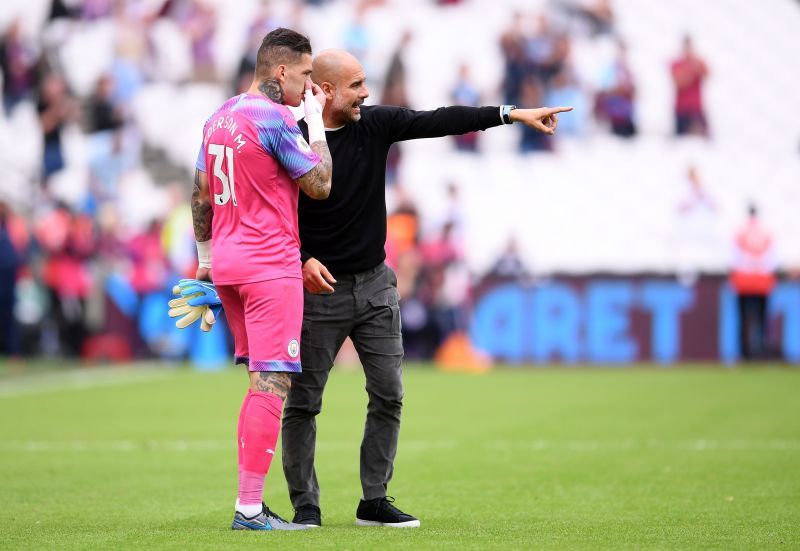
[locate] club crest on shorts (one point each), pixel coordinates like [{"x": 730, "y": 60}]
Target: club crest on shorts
[{"x": 294, "y": 348}]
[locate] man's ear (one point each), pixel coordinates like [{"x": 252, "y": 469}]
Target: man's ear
[
  {"x": 328, "y": 89},
  {"x": 280, "y": 73}
]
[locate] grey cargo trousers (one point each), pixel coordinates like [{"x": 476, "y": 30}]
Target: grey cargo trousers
[{"x": 365, "y": 308}]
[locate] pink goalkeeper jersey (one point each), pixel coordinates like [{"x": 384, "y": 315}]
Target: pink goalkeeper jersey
[{"x": 252, "y": 152}]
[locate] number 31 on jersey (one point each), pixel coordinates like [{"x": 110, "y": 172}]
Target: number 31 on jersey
[{"x": 220, "y": 153}]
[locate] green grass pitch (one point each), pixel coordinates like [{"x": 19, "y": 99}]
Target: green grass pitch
[{"x": 691, "y": 457}]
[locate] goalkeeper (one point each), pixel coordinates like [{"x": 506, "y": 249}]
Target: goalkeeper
[{"x": 252, "y": 160}]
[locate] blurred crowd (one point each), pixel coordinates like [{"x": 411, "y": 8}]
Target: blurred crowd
[
  {"x": 76, "y": 273},
  {"x": 76, "y": 270},
  {"x": 540, "y": 70}
]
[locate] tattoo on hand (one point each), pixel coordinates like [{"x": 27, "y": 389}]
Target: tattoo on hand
[
  {"x": 272, "y": 89},
  {"x": 316, "y": 183},
  {"x": 201, "y": 212},
  {"x": 277, "y": 383}
]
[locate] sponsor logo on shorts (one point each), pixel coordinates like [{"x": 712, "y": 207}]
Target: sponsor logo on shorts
[{"x": 294, "y": 348}]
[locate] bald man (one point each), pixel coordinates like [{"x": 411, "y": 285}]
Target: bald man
[{"x": 349, "y": 291}]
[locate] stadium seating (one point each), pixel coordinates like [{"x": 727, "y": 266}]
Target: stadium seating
[{"x": 597, "y": 203}]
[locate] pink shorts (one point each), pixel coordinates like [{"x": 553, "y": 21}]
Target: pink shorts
[{"x": 265, "y": 318}]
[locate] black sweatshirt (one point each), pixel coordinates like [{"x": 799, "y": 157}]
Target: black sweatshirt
[{"x": 347, "y": 231}]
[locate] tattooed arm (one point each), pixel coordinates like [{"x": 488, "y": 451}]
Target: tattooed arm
[
  {"x": 201, "y": 207},
  {"x": 316, "y": 183},
  {"x": 202, "y": 215}
]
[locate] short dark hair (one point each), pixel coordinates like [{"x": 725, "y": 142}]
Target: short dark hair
[{"x": 281, "y": 46}]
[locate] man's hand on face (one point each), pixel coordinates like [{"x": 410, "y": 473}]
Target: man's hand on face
[
  {"x": 543, "y": 119},
  {"x": 316, "y": 277},
  {"x": 313, "y": 93}
]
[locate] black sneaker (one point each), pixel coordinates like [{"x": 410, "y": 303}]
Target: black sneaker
[
  {"x": 381, "y": 512},
  {"x": 308, "y": 515}
]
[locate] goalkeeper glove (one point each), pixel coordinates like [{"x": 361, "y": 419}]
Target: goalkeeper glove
[{"x": 198, "y": 300}]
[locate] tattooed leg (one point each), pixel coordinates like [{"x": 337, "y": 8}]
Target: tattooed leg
[
  {"x": 261, "y": 424},
  {"x": 274, "y": 382}
]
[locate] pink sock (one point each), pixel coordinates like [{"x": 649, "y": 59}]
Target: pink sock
[
  {"x": 260, "y": 428},
  {"x": 239, "y": 429}
]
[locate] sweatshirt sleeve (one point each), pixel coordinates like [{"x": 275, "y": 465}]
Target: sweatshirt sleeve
[{"x": 401, "y": 124}]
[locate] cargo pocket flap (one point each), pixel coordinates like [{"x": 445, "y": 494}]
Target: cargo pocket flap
[{"x": 388, "y": 298}]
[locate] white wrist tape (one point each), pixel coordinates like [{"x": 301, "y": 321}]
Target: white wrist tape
[
  {"x": 313, "y": 111},
  {"x": 316, "y": 128},
  {"x": 204, "y": 253}
]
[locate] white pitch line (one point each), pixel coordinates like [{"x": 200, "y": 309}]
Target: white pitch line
[
  {"x": 411, "y": 446},
  {"x": 78, "y": 380}
]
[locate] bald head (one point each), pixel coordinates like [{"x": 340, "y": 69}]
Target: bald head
[
  {"x": 333, "y": 65},
  {"x": 342, "y": 78}
]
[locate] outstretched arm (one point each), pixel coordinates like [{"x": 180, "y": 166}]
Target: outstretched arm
[{"x": 404, "y": 124}]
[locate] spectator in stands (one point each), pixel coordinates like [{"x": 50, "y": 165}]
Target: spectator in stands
[
  {"x": 19, "y": 63},
  {"x": 696, "y": 199},
  {"x": 395, "y": 93},
  {"x": 356, "y": 38},
  {"x": 402, "y": 227},
  {"x": 454, "y": 213},
  {"x": 512, "y": 44},
  {"x": 443, "y": 284},
  {"x": 443, "y": 249},
  {"x": 466, "y": 93},
  {"x": 68, "y": 241},
  {"x": 56, "y": 109},
  {"x": 131, "y": 31},
  {"x": 104, "y": 114},
  {"x": 113, "y": 146},
  {"x": 509, "y": 264},
  {"x": 697, "y": 238},
  {"x": 394, "y": 87},
  {"x": 689, "y": 72},
  {"x": 531, "y": 140},
  {"x": 753, "y": 278},
  {"x": 150, "y": 269},
  {"x": 598, "y": 14},
  {"x": 547, "y": 50},
  {"x": 177, "y": 237},
  {"x": 10, "y": 262},
  {"x": 564, "y": 89},
  {"x": 615, "y": 101},
  {"x": 199, "y": 22}
]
